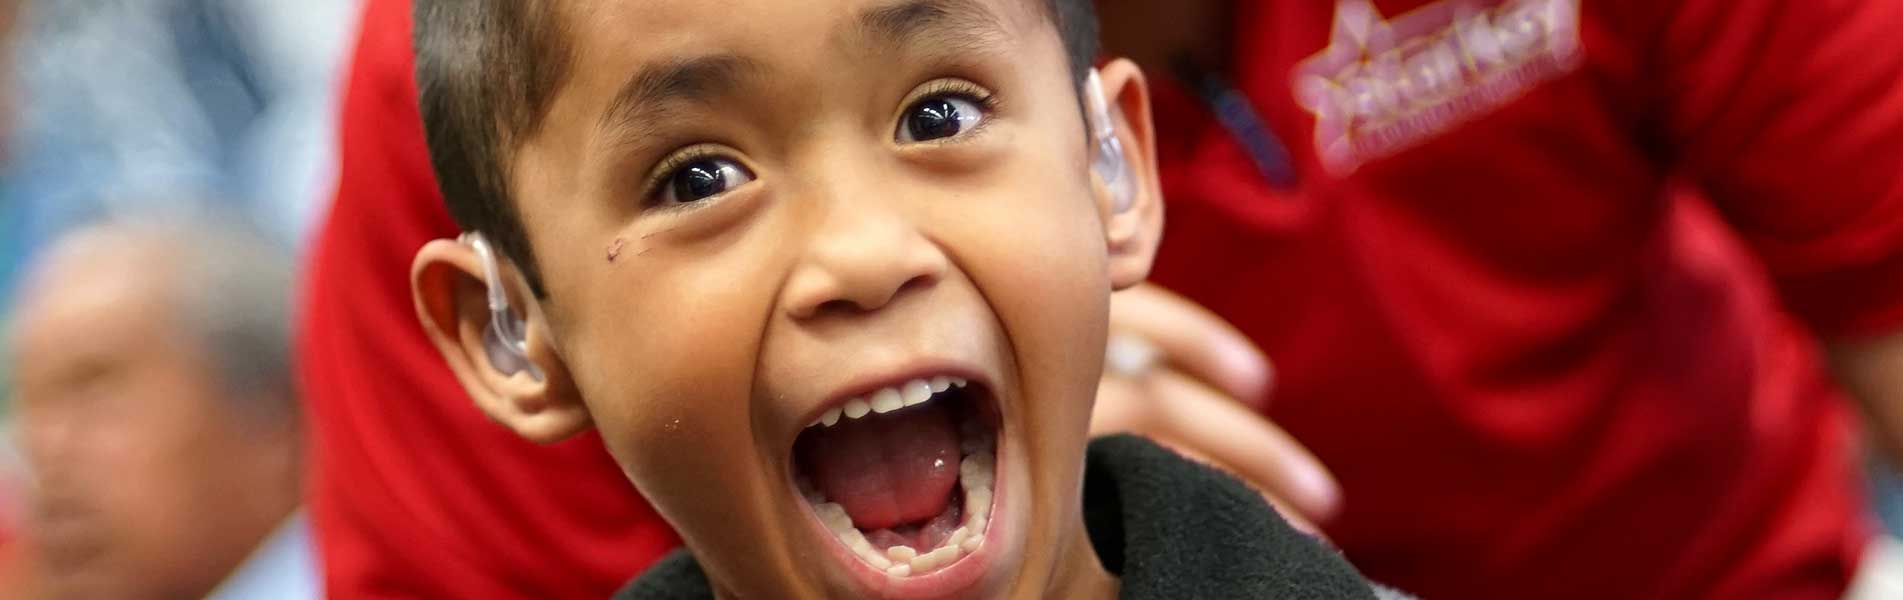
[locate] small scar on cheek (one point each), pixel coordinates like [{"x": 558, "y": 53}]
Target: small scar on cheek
[{"x": 614, "y": 249}]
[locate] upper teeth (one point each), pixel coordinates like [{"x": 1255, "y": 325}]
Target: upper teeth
[{"x": 885, "y": 400}]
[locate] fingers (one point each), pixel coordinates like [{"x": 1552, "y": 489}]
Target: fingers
[
  {"x": 1194, "y": 340},
  {"x": 1191, "y": 415},
  {"x": 1121, "y": 408},
  {"x": 1192, "y": 405},
  {"x": 1200, "y": 423}
]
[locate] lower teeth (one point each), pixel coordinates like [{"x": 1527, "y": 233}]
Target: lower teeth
[{"x": 975, "y": 475}]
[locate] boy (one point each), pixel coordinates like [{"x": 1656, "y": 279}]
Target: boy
[{"x": 831, "y": 279}]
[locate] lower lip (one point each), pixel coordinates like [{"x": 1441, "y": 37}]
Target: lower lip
[{"x": 955, "y": 580}]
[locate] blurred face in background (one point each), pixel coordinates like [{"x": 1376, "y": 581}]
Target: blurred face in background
[{"x": 149, "y": 485}]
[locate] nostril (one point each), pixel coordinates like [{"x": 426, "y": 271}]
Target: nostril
[
  {"x": 860, "y": 277},
  {"x": 840, "y": 306},
  {"x": 836, "y": 307},
  {"x": 916, "y": 283}
]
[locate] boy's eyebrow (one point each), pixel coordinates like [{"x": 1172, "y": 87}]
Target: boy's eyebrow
[
  {"x": 694, "y": 80},
  {"x": 958, "y": 24}
]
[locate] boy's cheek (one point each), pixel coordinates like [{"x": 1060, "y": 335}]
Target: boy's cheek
[
  {"x": 1047, "y": 283},
  {"x": 690, "y": 464},
  {"x": 671, "y": 400},
  {"x": 667, "y": 356},
  {"x": 669, "y": 427},
  {"x": 693, "y": 458},
  {"x": 666, "y": 415}
]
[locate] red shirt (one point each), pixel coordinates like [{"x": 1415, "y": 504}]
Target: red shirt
[
  {"x": 1540, "y": 368},
  {"x": 1503, "y": 310},
  {"x": 416, "y": 494}
]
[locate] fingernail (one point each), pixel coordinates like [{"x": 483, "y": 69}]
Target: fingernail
[
  {"x": 1321, "y": 494},
  {"x": 1249, "y": 368}
]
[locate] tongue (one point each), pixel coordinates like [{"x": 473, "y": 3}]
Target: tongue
[{"x": 885, "y": 469}]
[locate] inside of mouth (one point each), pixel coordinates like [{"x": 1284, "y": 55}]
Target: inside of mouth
[{"x": 908, "y": 491}]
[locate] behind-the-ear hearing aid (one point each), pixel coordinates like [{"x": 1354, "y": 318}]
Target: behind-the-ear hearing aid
[
  {"x": 1109, "y": 162},
  {"x": 505, "y": 340}
]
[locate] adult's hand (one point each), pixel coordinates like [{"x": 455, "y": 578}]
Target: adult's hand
[{"x": 1182, "y": 376}]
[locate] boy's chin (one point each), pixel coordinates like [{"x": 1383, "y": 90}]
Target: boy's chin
[{"x": 915, "y": 501}]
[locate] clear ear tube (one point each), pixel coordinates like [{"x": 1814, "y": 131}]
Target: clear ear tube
[
  {"x": 1109, "y": 161},
  {"x": 504, "y": 340}
]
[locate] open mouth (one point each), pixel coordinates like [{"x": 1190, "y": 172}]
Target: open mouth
[{"x": 904, "y": 476}]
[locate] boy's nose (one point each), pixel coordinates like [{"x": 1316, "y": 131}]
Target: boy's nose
[{"x": 860, "y": 260}]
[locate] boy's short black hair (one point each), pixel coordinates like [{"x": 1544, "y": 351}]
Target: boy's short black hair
[{"x": 486, "y": 70}]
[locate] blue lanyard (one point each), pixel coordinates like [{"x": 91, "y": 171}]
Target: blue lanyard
[{"x": 1234, "y": 112}]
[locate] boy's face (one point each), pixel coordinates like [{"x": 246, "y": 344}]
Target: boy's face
[{"x": 831, "y": 278}]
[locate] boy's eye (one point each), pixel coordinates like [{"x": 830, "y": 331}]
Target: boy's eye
[
  {"x": 703, "y": 178},
  {"x": 939, "y": 117}
]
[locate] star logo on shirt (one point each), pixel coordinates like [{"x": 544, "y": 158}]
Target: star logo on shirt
[{"x": 1383, "y": 85}]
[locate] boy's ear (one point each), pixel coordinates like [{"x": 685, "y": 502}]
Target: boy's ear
[
  {"x": 446, "y": 280},
  {"x": 1133, "y": 232}
]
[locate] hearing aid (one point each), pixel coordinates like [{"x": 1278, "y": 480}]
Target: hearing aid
[
  {"x": 505, "y": 340},
  {"x": 1109, "y": 163}
]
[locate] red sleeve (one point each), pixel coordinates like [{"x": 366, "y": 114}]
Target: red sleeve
[
  {"x": 414, "y": 493},
  {"x": 1790, "y": 114}
]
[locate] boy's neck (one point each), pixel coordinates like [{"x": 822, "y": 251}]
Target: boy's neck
[{"x": 1081, "y": 573}]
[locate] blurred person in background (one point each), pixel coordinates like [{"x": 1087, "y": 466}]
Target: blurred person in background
[
  {"x": 164, "y": 105},
  {"x": 110, "y": 107},
  {"x": 154, "y": 403},
  {"x": 1505, "y": 313}
]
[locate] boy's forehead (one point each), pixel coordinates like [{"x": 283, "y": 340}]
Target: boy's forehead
[
  {"x": 665, "y": 16},
  {"x": 764, "y": 32},
  {"x": 636, "y": 62}
]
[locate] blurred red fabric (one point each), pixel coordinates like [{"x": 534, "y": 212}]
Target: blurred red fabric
[
  {"x": 415, "y": 494},
  {"x": 1565, "y": 348}
]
